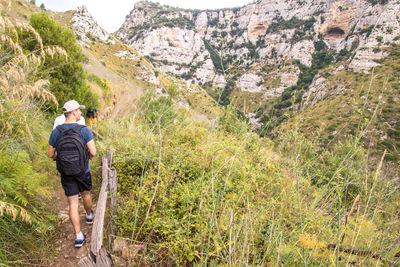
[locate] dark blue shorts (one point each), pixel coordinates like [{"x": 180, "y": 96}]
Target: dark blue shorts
[{"x": 74, "y": 184}]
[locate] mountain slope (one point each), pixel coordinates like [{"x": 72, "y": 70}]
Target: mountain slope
[
  {"x": 127, "y": 73},
  {"x": 267, "y": 56},
  {"x": 237, "y": 49}
]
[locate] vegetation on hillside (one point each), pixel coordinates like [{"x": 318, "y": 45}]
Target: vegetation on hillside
[
  {"x": 66, "y": 75},
  {"x": 361, "y": 96},
  {"x": 40, "y": 68},
  {"x": 301, "y": 26},
  {"x": 26, "y": 224},
  {"x": 382, "y": 2},
  {"x": 200, "y": 193},
  {"x": 213, "y": 193}
]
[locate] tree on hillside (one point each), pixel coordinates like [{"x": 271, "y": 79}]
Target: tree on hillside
[{"x": 67, "y": 79}]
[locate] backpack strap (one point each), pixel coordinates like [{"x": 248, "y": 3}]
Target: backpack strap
[
  {"x": 78, "y": 128},
  {"x": 61, "y": 128}
]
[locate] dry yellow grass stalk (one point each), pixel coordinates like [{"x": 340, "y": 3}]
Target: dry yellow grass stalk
[
  {"x": 7, "y": 24},
  {"x": 52, "y": 50},
  {"x": 15, "y": 73},
  {"x": 7, "y": 4},
  {"x": 30, "y": 29},
  {"x": 28, "y": 130},
  {"x": 14, "y": 46},
  {"x": 14, "y": 211}
]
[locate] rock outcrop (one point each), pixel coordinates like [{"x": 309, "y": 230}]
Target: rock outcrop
[
  {"x": 87, "y": 29},
  {"x": 200, "y": 46}
]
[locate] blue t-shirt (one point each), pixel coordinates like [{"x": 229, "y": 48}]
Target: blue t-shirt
[{"x": 85, "y": 132}]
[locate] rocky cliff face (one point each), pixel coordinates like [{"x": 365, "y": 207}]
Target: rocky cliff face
[
  {"x": 86, "y": 29},
  {"x": 237, "y": 45}
]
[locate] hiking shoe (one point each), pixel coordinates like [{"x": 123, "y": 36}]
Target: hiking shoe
[
  {"x": 89, "y": 219},
  {"x": 79, "y": 196},
  {"x": 79, "y": 242}
]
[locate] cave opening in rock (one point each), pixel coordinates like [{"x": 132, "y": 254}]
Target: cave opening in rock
[
  {"x": 259, "y": 27},
  {"x": 335, "y": 31}
]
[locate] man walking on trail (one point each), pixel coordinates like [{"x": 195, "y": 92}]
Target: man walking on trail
[
  {"x": 60, "y": 120},
  {"x": 71, "y": 145}
]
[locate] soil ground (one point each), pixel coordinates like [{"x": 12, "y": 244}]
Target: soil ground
[{"x": 67, "y": 255}]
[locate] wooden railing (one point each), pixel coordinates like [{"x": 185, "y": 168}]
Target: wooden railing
[{"x": 99, "y": 256}]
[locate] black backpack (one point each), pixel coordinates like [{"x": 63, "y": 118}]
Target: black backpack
[{"x": 72, "y": 153}]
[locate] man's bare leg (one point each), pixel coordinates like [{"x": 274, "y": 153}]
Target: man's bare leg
[
  {"x": 73, "y": 202},
  {"x": 87, "y": 201}
]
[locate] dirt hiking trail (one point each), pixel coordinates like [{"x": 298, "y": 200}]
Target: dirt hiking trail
[{"x": 66, "y": 254}]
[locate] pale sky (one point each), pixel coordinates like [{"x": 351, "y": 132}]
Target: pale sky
[{"x": 110, "y": 14}]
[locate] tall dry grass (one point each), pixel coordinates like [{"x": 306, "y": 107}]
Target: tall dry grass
[
  {"x": 18, "y": 69},
  {"x": 214, "y": 194},
  {"x": 17, "y": 73},
  {"x": 22, "y": 168}
]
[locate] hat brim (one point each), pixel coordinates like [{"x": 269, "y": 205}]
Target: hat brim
[{"x": 82, "y": 106}]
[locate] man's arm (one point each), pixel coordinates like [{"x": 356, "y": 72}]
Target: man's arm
[
  {"x": 51, "y": 152},
  {"x": 91, "y": 147}
]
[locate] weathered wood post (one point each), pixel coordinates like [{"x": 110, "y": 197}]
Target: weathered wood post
[
  {"x": 109, "y": 155},
  {"x": 99, "y": 255},
  {"x": 112, "y": 176},
  {"x": 97, "y": 230}
]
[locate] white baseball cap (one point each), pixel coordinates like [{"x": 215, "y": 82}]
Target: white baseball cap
[{"x": 71, "y": 105}]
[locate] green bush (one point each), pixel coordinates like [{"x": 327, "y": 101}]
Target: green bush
[
  {"x": 172, "y": 91},
  {"x": 367, "y": 30},
  {"x": 67, "y": 80},
  {"x": 382, "y": 2},
  {"x": 103, "y": 83},
  {"x": 203, "y": 193},
  {"x": 294, "y": 23},
  {"x": 26, "y": 226},
  {"x": 215, "y": 57},
  {"x": 231, "y": 123},
  {"x": 158, "y": 110}
]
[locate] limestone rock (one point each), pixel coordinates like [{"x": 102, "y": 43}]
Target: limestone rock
[
  {"x": 258, "y": 34},
  {"x": 123, "y": 54},
  {"x": 86, "y": 28},
  {"x": 289, "y": 76},
  {"x": 250, "y": 82},
  {"x": 317, "y": 91}
]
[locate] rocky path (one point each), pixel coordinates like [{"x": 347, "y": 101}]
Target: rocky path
[{"x": 67, "y": 254}]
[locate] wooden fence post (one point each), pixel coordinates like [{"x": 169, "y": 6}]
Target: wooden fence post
[
  {"x": 97, "y": 230},
  {"x": 112, "y": 176},
  {"x": 109, "y": 182},
  {"x": 109, "y": 155},
  {"x": 103, "y": 258}
]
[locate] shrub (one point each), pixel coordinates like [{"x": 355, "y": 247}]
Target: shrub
[
  {"x": 382, "y": 2},
  {"x": 376, "y": 50},
  {"x": 367, "y": 31},
  {"x": 172, "y": 90},
  {"x": 194, "y": 191},
  {"x": 215, "y": 57},
  {"x": 293, "y": 23},
  {"x": 231, "y": 123},
  {"x": 319, "y": 45},
  {"x": 344, "y": 54},
  {"x": 158, "y": 110},
  {"x": 25, "y": 228},
  {"x": 67, "y": 80}
]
